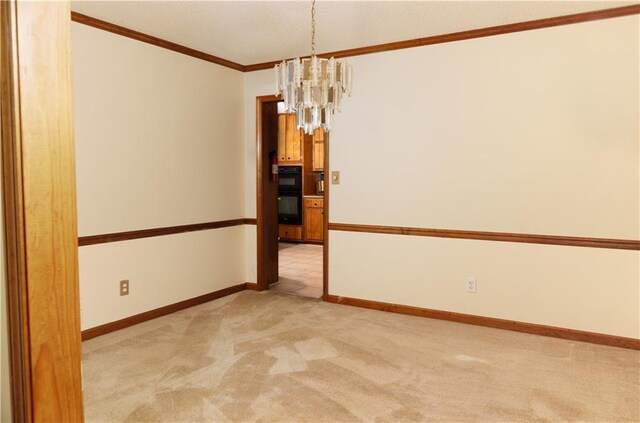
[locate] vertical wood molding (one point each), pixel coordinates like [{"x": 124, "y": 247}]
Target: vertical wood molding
[
  {"x": 262, "y": 282},
  {"x": 325, "y": 226},
  {"x": 17, "y": 312},
  {"x": 39, "y": 171}
]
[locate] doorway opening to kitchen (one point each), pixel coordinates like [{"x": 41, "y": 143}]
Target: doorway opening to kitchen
[{"x": 292, "y": 204}]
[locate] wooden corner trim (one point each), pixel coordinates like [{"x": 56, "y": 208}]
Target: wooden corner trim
[
  {"x": 572, "y": 241},
  {"x": 149, "y": 39},
  {"x": 474, "y": 33},
  {"x": 14, "y": 225},
  {"x": 491, "y": 322},
  {"x": 158, "y": 312},
  {"x": 170, "y": 230}
]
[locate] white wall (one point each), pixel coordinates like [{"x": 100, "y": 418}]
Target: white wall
[
  {"x": 533, "y": 132},
  {"x": 158, "y": 143}
]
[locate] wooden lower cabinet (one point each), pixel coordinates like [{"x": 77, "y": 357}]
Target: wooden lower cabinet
[
  {"x": 290, "y": 232},
  {"x": 314, "y": 219}
]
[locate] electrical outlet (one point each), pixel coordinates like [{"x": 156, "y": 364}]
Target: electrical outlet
[
  {"x": 471, "y": 285},
  {"x": 124, "y": 287},
  {"x": 335, "y": 177}
]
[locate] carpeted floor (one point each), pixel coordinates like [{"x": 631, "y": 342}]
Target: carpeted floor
[{"x": 278, "y": 358}]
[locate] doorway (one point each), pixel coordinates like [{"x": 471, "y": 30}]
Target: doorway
[{"x": 292, "y": 208}]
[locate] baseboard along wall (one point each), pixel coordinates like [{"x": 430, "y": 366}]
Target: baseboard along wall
[
  {"x": 162, "y": 311},
  {"x": 470, "y": 319},
  {"x": 495, "y": 323}
]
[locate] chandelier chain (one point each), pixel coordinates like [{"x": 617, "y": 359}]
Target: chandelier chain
[
  {"x": 312, "y": 87},
  {"x": 313, "y": 28}
]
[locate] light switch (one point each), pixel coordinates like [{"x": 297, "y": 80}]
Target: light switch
[{"x": 335, "y": 177}]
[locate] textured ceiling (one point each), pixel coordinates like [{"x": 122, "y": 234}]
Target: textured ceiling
[{"x": 249, "y": 32}]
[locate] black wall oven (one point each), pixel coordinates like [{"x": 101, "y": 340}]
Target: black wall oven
[
  {"x": 290, "y": 178},
  {"x": 290, "y": 195}
]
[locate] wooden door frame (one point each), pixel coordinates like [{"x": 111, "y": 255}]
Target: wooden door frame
[
  {"x": 325, "y": 216},
  {"x": 261, "y": 283},
  {"x": 40, "y": 228}
]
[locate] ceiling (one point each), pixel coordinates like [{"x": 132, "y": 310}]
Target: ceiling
[{"x": 249, "y": 32}]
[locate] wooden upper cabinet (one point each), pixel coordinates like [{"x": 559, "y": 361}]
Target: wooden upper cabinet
[
  {"x": 282, "y": 129},
  {"x": 318, "y": 150},
  {"x": 289, "y": 140}
]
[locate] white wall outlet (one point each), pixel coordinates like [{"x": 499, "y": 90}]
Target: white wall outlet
[
  {"x": 124, "y": 287},
  {"x": 335, "y": 177},
  {"x": 471, "y": 285}
]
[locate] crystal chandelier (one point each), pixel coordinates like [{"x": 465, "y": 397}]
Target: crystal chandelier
[{"x": 313, "y": 87}]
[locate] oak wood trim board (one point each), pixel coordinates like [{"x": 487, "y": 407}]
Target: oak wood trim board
[
  {"x": 471, "y": 34},
  {"x": 325, "y": 218},
  {"x": 40, "y": 223},
  {"x": 620, "y": 244},
  {"x": 169, "y": 230},
  {"x": 150, "y": 39},
  {"x": 262, "y": 190},
  {"x": 13, "y": 220},
  {"x": 162, "y": 311},
  {"x": 491, "y": 322},
  {"x": 417, "y": 42},
  {"x": 503, "y": 324}
]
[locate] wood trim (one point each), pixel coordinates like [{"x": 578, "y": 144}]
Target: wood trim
[
  {"x": 169, "y": 230},
  {"x": 491, "y": 322},
  {"x": 149, "y": 39},
  {"x": 250, "y": 221},
  {"x": 378, "y": 48},
  {"x": 325, "y": 226},
  {"x": 261, "y": 282},
  {"x": 251, "y": 286},
  {"x": 14, "y": 224},
  {"x": 158, "y": 312},
  {"x": 474, "y": 33},
  {"x": 40, "y": 223},
  {"x": 619, "y": 244}
]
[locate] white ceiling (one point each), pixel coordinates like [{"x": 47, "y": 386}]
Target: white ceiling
[{"x": 249, "y": 32}]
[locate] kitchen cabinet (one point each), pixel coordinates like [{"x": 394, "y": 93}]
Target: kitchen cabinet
[
  {"x": 318, "y": 150},
  {"x": 289, "y": 140},
  {"x": 314, "y": 219},
  {"x": 290, "y": 232}
]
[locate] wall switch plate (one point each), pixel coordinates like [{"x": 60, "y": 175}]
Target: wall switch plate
[
  {"x": 124, "y": 287},
  {"x": 471, "y": 285},
  {"x": 335, "y": 177}
]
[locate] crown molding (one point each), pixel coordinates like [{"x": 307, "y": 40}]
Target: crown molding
[
  {"x": 397, "y": 45},
  {"x": 474, "y": 33},
  {"x": 150, "y": 39}
]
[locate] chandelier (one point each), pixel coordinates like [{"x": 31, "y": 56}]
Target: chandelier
[{"x": 313, "y": 87}]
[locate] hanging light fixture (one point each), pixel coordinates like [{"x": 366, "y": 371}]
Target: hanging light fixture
[{"x": 313, "y": 87}]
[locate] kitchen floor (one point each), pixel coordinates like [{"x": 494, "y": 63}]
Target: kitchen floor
[{"x": 300, "y": 270}]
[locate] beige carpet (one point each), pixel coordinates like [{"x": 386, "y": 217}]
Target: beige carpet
[{"x": 274, "y": 358}]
